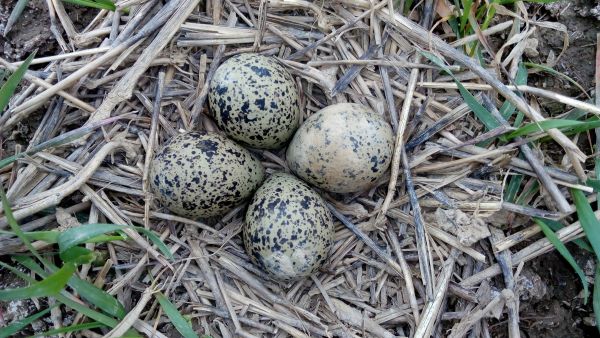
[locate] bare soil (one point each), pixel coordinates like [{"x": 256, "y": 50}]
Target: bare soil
[
  {"x": 582, "y": 19},
  {"x": 557, "y": 309},
  {"x": 30, "y": 32}
]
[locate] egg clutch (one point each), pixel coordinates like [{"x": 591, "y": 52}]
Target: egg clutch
[{"x": 288, "y": 229}]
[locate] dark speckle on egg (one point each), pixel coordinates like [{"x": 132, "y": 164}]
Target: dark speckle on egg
[
  {"x": 288, "y": 230},
  {"x": 201, "y": 174},
  {"x": 342, "y": 148},
  {"x": 254, "y": 100}
]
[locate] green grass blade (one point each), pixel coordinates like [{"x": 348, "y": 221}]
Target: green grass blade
[
  {"x": 580, "y": 242},
  {"x": 510, "y": 2},
  {"x": 92, "y": 294},
  {"x": 513, "y": 188},
  {"x": 98, "y": 297},
  {"x": 77, "y": 255},
  {"x": 596, "y": 297},
  {"x": 591, "y": 123},
  {"x": 507, "y": 109},
  {"x": 71, "y": 328},
  {"x": 545, "y": 125},
  {"x": 587, "y": 219},
  {"x": 482, "y": 114},
  {"x": 593, "y": 183},
  {"x": 86, "y": 311},
  {"x": 528, "y": 194},
  {"x": 132, "y": 334},
  {"x": 19, "y": 325},
  {"x": 8, "y": 89},
  {"x": 2, "y": 76},
  {"x": 106, "y": 238},
  {"x": 464, "y": 16},
  {"x": 18, "y": 272},
  {"x": 489, "y": 16},
  {"x": 51, "y": 237},
  {"x": 29, "y": 263},
  {"x": 180, "y": 323},
  {"x": 577, "y": 114},
  {"x": 557, "y": 74},
  {"x": 454, "y": 25},
  {"x": 81, "y": 234},
  {"x": 49, "y": 286},
  {"x": 164, "y": 249},
  {"x": 12, "y": 222},
  {"x": 407, "y": 6},
  {"x": 15, "y": 14},
  {"x": 519, "y": 119},
  {"x": 108, "y": 5},
  {"x": 46, "y": 236},
  {"x": 562, "y": 249}
]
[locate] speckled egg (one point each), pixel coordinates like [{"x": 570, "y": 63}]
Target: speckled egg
[
  {"x": 288, "y": 230},
  {"x": 342, "y": 148},
  {"x": 201, "y": 174},
  {"x": 254, "y": 100}
]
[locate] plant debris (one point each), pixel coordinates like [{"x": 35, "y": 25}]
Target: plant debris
[{"x": 435, "y": 247}]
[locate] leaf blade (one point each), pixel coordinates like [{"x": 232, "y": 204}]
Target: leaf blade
[
  {"x": 478, "y": 109},
  {"x": 557, "y": 74},
  {"x": 108, "y": 5},
  {"x": 587, "y": 219},
  {"x": 49, "y": 286},
  {"x": 596, "y": 296},
  {"x": 14, "y": 15},
  {"x": 545, "y": 125},
  {"x": 562, "y": 249},
  {"x": 86, "y": 232},
  {"x": 580, "y": 242},
  {"x": 89, "y": 292},
  {"x": 9, "y": 87},
  {"x": 70, "y": 328},
  {"x": 19, "y": 325},
  {"x": 83, "y": 309},
  {"x": 78, "y": 235},
  {"x": 176, "y": 318}
]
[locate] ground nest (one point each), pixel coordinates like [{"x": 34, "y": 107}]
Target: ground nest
[{"x": 437, "y": 247}]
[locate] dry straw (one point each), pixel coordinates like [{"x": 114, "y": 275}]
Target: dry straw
[{"x": 396, "y": 269}]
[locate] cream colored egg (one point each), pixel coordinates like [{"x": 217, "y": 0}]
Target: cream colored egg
[{"x": 342, "y": 148}]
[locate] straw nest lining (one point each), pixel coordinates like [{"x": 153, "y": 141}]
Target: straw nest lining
[{"x": 412, "y": 256}]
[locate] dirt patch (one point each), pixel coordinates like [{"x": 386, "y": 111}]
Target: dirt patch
[
  {"x": 32, "y": 29},
  {"x": 30, "y": 32},
  {"x": 555, "y": 307},
  {"x": 12, "y": 311},
  {"x": 582, "y": 19},
  {"x": 551, "y": 303},
  {"x": 558, "y": 310}
]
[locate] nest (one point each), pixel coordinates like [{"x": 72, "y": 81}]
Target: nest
[{"x": 426, "y": 251}]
